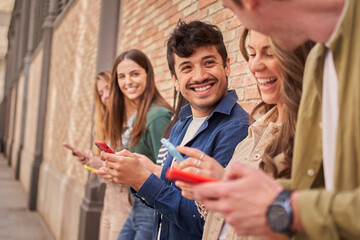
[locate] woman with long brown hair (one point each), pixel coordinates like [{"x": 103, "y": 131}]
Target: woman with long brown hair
[
  {"x": 133, "y": 79},
  {"x": 269, "y": 145},
  {"x": 116, "y": 201}
]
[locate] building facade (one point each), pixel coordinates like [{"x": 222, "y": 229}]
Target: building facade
[{"x": 55, "y": 49}]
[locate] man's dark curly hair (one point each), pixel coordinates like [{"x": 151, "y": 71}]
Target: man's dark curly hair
[{"x": 187, "y": 37}]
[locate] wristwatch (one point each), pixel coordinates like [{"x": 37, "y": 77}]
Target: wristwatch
[{"x": 279, "y": 214}]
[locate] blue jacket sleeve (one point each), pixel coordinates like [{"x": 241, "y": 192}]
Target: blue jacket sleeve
[{"x": 166, "y": 198}]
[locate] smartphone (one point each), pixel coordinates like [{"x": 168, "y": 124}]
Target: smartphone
[
  {"x": 89, "y": 168},
  {"x": 103, "y": 147},
  {"x": 172, "y": 150},
  {"x": 174, "y": 174}
]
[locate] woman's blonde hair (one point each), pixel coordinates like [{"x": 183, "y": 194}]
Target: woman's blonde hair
[
  {"x": 101, "y": 111},
  {"x": 292, "y": 65}
]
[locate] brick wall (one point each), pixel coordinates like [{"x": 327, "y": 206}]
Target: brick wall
[
  {"x": 146, "y": 25},
  {"x": 71, "y": 83},
  {"x": 68, "y": 117}
]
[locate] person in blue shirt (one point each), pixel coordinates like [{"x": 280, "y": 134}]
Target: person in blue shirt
[{"x": 212, "y": 122}]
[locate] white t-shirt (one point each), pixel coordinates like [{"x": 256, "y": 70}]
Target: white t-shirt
[
  {"x": 190, "y": 133},
  {"x": 330, "y": 111}
]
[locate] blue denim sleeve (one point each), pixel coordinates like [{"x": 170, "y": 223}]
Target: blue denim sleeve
[{"x": 167, "y": 199}]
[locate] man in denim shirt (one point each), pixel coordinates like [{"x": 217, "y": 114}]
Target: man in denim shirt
[{"x": 212, "y": 122}]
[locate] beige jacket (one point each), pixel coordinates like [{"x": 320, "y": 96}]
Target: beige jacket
[{"x": 249, "y": 152}]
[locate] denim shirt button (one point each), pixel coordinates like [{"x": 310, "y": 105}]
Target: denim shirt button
[{"x": 310, "y": 172}]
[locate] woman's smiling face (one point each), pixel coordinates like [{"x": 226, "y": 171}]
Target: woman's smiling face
[
  {"x": 264, "y": 67},
  {"x": 131, "y": 79}
]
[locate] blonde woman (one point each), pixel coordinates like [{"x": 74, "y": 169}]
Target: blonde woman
[{"x": 269, "y": 145}]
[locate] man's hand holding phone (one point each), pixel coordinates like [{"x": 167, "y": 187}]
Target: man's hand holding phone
[{"x": 125, "y": 168}]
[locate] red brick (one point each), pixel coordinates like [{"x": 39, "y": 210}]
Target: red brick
[
  {"x": 249, "y": 80},
  {"x": 148, "y": 3},
  {"x": 168, "y": 9},
  {"x": 198, "y": 15},
  {"x": 174, "y": 19},
  {"x": 233, "y": 23},
  {"x": 237, "y": 82},
  {"x": 248, "y": 106},
  {"x": 233, "y": 57},
  {"x": 205, "y": 3},
  {"x": 251, "y": 93},
  {"x": 158, "y": 36},
  {"x": 239, "y": 68},
  {"x": 223, "y": 15},
  {"x": 150, "y": 32},
  {"x": 159, "y": 3},
  {"x": 133, "y": 7},
  {"x": 140, "y": 16}
]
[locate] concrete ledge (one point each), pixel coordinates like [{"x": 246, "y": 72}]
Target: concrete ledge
[
  {"x": 25, "y": 169},
  {"x": 59, "y": 200}
]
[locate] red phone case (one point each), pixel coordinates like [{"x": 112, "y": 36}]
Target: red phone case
[
  {"x": 174, "y": 174},
  {"x": 103, "y": 146}
]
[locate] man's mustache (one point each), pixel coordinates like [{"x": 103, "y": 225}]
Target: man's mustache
[{"x": 193, "y": 84}]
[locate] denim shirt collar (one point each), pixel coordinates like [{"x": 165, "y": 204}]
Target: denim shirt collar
[{"x": 224, "y": 106}]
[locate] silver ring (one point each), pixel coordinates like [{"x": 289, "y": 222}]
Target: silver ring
[
  {"x": 197, "y": 162},
  {"x": 202, "y": 155}
]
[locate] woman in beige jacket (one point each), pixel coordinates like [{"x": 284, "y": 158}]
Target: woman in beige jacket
[{"x": 278, "y": 74}]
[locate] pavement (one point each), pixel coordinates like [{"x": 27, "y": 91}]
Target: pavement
[{"x": 16, "y": 221}]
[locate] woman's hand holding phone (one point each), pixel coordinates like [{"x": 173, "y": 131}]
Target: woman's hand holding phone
[
  {"x": 83, "y": 157},
  {"x": 104, "y": 147},
  {"x": 90, "y": 162},
  {"x": 200, "y": 164},
  {"x": 102, "y": 174}
]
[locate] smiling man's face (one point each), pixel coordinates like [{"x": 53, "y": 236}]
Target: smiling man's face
[{"x": 202, "y": 79}]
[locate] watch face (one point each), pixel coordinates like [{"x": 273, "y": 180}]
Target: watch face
[{"x": 278, "y": 218}]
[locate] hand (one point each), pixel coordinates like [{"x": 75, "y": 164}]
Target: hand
[
  {"x": 101, "y": 173},
  {"x": 148, "y": 164},
  {"x": 94, "y": 162},
  {"x": 198, "y": 163},
  {"x": 243, "y": 198},
  {"x": 83, "y": 157},
  {"x": 125, "y": 168}
]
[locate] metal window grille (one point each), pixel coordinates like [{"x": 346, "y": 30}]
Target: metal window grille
[
  {"x": 61, "y": 5},
  {"x": 42, "y": 9}
]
